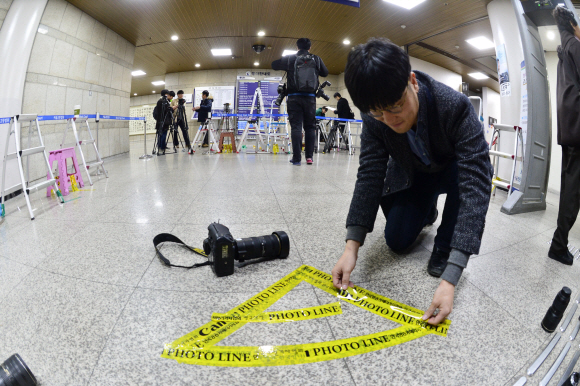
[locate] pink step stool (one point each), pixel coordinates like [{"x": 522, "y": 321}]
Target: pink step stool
[{"x": 60, "y": 156}]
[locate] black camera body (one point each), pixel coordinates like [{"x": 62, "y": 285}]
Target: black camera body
[
  {"x": 320, "y": 92},
  {"x": 282, "y": 93},
  {"x": 181, "y": 101},
  {"x": 222, "y": 249}
]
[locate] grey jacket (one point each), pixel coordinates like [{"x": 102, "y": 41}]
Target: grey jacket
[{"x": 387, "y": 164}]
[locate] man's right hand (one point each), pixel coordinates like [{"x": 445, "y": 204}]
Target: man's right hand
[{"x": 345, "y": 265}]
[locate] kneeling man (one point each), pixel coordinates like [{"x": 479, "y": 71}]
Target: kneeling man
[{"x": 420, "y": 139}]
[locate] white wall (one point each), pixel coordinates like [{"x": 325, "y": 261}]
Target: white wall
[
  {"x": 443, "y": 75},
  {"x": 491, "y": 107},
  {"x": 556, "y": 157}
]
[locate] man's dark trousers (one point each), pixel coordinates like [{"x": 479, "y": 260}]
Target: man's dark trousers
[
  {"x": 181, "y": 124},
  {"x": 409, "y": 210},
  {"x": 162, "y": 138},
  {"x": 569, "y": 198},
  {"x": 302, "y": 111}
]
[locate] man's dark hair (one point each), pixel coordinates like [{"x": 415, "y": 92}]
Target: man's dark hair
[
  {"x": 303, "y": 44},
  {"x": 205, "y": 92},
  {"x": 376, "y": 74},
  {"x": 172, "y": 93},
  {"x": 325, "y": 109},
  {"x": 337, "y": 94},
  {"x": 164, "y": 92},
  {"x": 563, "y": 19},
  {"x": 180, "y": 92}
]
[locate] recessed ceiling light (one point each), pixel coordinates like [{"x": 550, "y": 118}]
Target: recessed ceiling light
[
  {"x": 135, "y": 94},
  {"x": 137, "y": 73},
  {"x": 197, "y": 64},
  {"x": 406, "y": 3},
  {"x": 256, "y": 64},
  {"x": 346, "y": 41},
  {"x": 158, "y": 83},
  {"x": 481, "y": 43},
  {"x": 288, "y": 52},
  {"x": 221, "y": 51},
  {"x": 42, "y": 30},
  {"x": 551, "y": 35},
  {"x": 261, "y": 33},
  {"x": 478, "y": 75},
  {"x": 174, "y": 37},
  {"x": 153, "y": 92},
  {"x": 403, "y": 26}
]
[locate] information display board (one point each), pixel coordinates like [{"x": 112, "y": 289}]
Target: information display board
[
  {"x": 246, "y": 91},
  {"x": 220, "y": 95}
]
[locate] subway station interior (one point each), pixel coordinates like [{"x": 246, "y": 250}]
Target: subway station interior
[{"x": 289, "y": 192}]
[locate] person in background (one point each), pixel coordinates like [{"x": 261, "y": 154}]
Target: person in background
[
  {"x": 303, "y": 82},
  {"x": 321, "y": 111},
  {"x": 568, "y": 102},
  {"x": 203, "y": 111}
]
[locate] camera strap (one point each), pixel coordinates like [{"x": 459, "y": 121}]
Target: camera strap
[{"x": 166, "y": 237}]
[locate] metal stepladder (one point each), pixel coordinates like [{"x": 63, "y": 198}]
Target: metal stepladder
[
  {"x": 15, "y": 128},
  {"x": 255, "y": 124},
  {"x": 496, "y": 180},
  {"x": 78, "y": 143},
  {"x": 207, "y": 128},
  {"x": 274, "y": 131},
  {"x": 321, "y": 129}
]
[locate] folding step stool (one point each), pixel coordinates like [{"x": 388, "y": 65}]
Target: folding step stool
[
  {"x": 98, "y": 161},
  {"x": 15, "y": 129},
  {"x": 493, "y": 144},
  {"x": 205, "y": 129}
]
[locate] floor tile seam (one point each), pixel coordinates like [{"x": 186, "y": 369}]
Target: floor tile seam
[
  {"x": 16, "y": 285},
  {"x": 334, "y": 337},
  {"x": 523, "y": 326},
  {"x": 116, "y": 322},
  {"x": 82, "y": 278},
  {"x": 281, "y": 211}
]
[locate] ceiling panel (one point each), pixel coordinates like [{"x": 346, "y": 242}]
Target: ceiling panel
[{"x": 205, "y": 24}]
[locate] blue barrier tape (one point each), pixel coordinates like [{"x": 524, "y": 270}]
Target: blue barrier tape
[
  {"x": 5, "y": 120},
  {"x": 281, "y": 115}
]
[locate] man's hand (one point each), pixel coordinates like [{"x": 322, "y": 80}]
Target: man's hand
[
  {"x": 442, "y": 300},
  {"x": 345, "y": 265},
  {"x": 196, "y": 108}
]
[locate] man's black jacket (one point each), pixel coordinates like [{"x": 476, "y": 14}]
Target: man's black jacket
[
  {"x": 204, "y": 109},
  {"x": 343, "y": 109},
  {"x": 287, "y": 64},
  {"x": 165, "y": 112},
  {"x": 453, "y": 131}
]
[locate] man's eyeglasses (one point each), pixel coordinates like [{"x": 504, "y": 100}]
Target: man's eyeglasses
[{"x": 394, "y": 109}]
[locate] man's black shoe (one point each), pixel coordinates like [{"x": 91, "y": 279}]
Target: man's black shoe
[
  {"x": 562, "y": 258},
  {"x": 570, "y": 255},
  {"x": 437, "y": 262}
]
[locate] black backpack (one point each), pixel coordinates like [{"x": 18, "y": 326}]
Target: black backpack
[
  {"x": 306, "y": 73},
  {"x": 156, "y": 113}
]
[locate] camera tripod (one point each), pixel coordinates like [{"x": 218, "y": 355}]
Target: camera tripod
[
  {"x": 180, "y": 120},
  {"x": 340, "y": 132},
  {"x": 159, "y": 129}
]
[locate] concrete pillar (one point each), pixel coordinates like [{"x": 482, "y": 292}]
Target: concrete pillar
[{"x": 16, "y": 40}]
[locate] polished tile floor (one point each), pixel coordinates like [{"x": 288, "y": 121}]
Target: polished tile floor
[{"x": 85, "y": 301}]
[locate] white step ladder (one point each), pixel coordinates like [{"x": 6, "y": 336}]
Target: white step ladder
[
  {"x": 78, "y": 143},
  {"x": 274, "y": 130},
  {"x": 255, "y": 124},
  {"x": 15, "y": 128},
  {"x": 493, "y": 144},
  {"x": 205, "y": 129}
]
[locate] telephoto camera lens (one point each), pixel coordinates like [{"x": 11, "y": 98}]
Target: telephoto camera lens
[
  {"x": 14, "y": 372},
  {"x": 574, "y": 380},
  {"x": 556, "y": 311},
  {"x": 276, "y": 246}
]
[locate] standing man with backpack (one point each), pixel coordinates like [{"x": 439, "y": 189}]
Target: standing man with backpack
[
  {"x": 568, "y": 102},
  {"x": 302, "y": 70}
]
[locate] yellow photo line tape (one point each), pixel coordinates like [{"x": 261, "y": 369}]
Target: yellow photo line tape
[
  {"x": 375, "y": 303},
  {"x": 239, "y": 356},
  {"x": 212, "y": 332},
  {"x": 283, "y": 316},
  {"x": 198, "y": 347}
]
